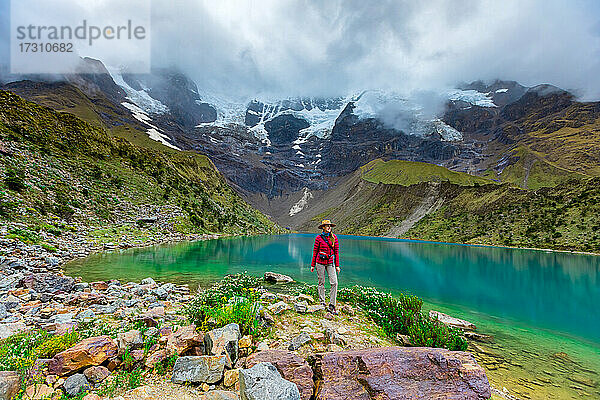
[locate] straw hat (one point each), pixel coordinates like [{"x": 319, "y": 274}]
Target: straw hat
[{"x": 326, "y": 222}]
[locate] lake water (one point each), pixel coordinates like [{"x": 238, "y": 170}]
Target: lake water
[{"x": 541, "y": 307}]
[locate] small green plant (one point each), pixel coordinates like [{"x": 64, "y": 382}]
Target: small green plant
[
  {"x": 240, "y": 310},
  {"x": 122, "y": 380},
  {"x": 432, "y": 333},
  {"x": 14, "y": 180},
  {"x": 24, "y": 235}
]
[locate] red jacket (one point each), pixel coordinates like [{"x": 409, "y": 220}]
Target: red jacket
[{"x": 322, "y": 246}]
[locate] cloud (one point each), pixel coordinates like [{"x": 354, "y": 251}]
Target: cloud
[{"x": 333, "y": 47}]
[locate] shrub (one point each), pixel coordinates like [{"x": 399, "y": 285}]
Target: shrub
[
  {"x": 211, "y": 309},
  {"x": 432, "y": 333}
]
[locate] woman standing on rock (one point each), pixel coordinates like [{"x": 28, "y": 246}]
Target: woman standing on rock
[{"x": 325, "y": 253}]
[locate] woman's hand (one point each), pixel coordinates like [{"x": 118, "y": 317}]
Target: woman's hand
[
  {"x": 312, "y": 269},
  {"x": 337, "y": 269}
]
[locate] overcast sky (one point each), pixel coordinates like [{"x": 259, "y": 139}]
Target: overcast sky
[{"x": 334, "y": 47}]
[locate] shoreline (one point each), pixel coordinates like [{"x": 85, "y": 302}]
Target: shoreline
[{"x": 409, "y": 239}]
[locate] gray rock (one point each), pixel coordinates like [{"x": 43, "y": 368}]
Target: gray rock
[
  {"x": 278, "y": 307},
  {"x": 263, "y": 382},
  {"x": 3, "y": 311},
  {"x": 198, "y": 369},
  {"x": 131, "y": 302},
  {"x": 62, "y": 318},
  {"x": 10, "y": 384},
  {"x": 10, "y": 282},
  {"x": 224, "y": 341},
  {"x": 220, "y": 395},
  {"x": 80, "y": 287},
  {"x": 49, "y": 283},
  {"x": 129, "y": 340},
  {"x": 75, "y": 384},
  {"x": 86, "y": 314},
  {"x": 160, "y": 293},
  {"x": 299, "y": 341},
  {"x": 52, "y": 261},
  {"x": 333, "y": 337},
  {"x": 148, "y": 281},
  {"x": 275, "y": 277},
  {"x": 11, "y": 302},
  {"x": 268, "y": 296},
  {"x": 11, "y": 328},
  {"x": 315, "y": 307},
  {"x": 301, "y": 307}
]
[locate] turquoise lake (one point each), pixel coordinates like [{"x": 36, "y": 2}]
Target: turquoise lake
[{"x": 541, "y": 301}]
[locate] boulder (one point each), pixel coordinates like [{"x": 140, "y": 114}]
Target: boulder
[
  {"x": 220, "y": 395},
  {"x": 148, "y": 281},
  {"x": 306, "y": 297},
  {"x": 268, "y": 296},
  {"x": 184, "y": 339},
  {"x": 231, "y": 377},
  {"x": 76, "y": 384},
  {"x": 263, "y": 382},
  {"x": 299, "y": 341},
  {"x": 451, "y": 321},
  {"x": 315, "y": 307},
  {"x": 224, "y": 341},
  {"x": 96, "y": 374},
  {"x": 198, "y": 369},
  {"x": 277, "y": 278},
  {"x": 400, "y": 373},
  {"x": 11, "y": 328},
  {"x": 89, "y": 352},
  {"x": 38, "y": 392},
  {"x": 155, "y": 358},
  {"x": 129, "y": 340},
  {"x": 10, "y": 384},
  {"x": 3, "y": 311},
  {"x": 301, "y": 307},
  {"x": 48, "y": 283},
  {"x": 291, "y": 367},
  {"x": 334, "y": 337},
  {"x": 278, "y": 307}
]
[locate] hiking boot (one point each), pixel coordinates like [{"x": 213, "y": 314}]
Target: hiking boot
[{"x": 332, "y": 309}]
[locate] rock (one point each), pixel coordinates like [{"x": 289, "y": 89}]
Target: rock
[
  {"x": 306, "y": 297},
  {"x": 96, "y": 374},
  {"x": 198, "y": 369},
  {"x": 129, "y": 340},
  {"x": 89, "y": 352},
  {"x": 301, "y": 307},
  {"x": 184, "y": 339},
  {"x": 268, "y": 296},
  {"x": 333, "y": 337},
  {"x": 48, "y": 283},
  {"x": 342, "y": 330},
  {"x": 10, "y": 384},
  {"x": 86, "y": 315},
  {"x": 291, "y": 367},
  {"x": 245, "y": 342},
  {"x": 277, "y": 278},
  {"x": 266, "y": 319},
  {"x": 11, "y": 302},
  {"x": 160, "y": 293},
  {"x": 62, "y": 318},
  {"x": 231, "y": 377},
  {"x": 3, "y": 311},
  {"x": 401, "y": 373},
  {"x": 155, "y": 312},
  {"x": 299, "y": 341},
  {"x": 479, "y": 337},
  {"x": 278, "y": 307},
  {"x": 334, "y": 347},
  {"x": 155, "y": 358},
  {"x": 224, "y": 341},
  {"x": 315, "y": 307},
  {"x": 403, "y": 339},
  {"x": 100, "y": 285},
  {"x": 76, "y": 384},
  {"x": 38, "y": 392},
  {"x": 328, "y": 315},
  {"x": 91, "y": 396},
  {"x": 11, "y": 328},
  {"x": 263, "y": 382},
  {"x": 148, "y": 281},
  {"x": 262, "y": 346},
  {"x": 220, "y": 395},
  {"x": 451, "y": 321}
]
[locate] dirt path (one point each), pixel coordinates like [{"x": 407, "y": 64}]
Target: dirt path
[{"x": 430, "y": 204}]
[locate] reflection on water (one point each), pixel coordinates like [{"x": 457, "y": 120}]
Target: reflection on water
[{"x": 512, "y": 293}]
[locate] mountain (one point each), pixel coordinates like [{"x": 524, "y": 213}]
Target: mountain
[
  {"x": 283, "y": 154},
  {"x": 57, "y": 167}
]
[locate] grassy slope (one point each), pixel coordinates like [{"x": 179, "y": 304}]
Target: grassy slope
[
  {"x": 407, "y": 173},
  {"x": 71, "y": 169},
  {"x": 563, "y": 217}
]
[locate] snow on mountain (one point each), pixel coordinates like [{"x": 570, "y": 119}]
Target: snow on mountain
[
  {"x": 140, "y": 98},
  {"x": 473, "y": 97},
  {"x": 153, "y": 132}
]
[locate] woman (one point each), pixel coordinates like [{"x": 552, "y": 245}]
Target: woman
[{"x": 325, "y": 253}]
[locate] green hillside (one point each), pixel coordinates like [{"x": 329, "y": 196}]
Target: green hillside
[
  {"x": 56, "y": 168},
  {"x": 401, "y": 172}
]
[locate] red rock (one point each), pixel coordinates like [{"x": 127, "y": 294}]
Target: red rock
[
  {"x": 89, "y": 352},
  {"x": 100, "y": 285},
  {"x": 400, "y": 373},
  {"x": 184, "y": 339},
  {"x": 155, "y": 358},
  {"x": 96, "y": 374},
  {"x": 291, "y": 367}
]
